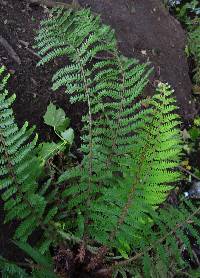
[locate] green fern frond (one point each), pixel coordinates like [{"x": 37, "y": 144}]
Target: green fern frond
[
  {"x": 174, "y": 226},
  {"x": 8, "y": 269},
  {"x": 40, "y": 267},
  {"x": 165, "y": 243},
  {"x": 121, "y": 213},
  {"x": 20, "y": 170}
]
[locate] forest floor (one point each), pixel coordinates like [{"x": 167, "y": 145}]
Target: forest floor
[{"x": 144, "y": 29}]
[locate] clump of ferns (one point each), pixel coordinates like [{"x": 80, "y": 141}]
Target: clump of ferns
[
  {"x": 131, "y": 151},
  {"x": 118, "y": 134},
  {"x": 108, "y": 145}
]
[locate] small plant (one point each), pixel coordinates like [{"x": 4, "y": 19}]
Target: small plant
[
  {"x": 194, "y": 48},
  {"x": 107, "y": 206},
  {"x": 183, "y": 9},
  {"x": 188, "y": 14},
  {"x": 57, "y": 119}
]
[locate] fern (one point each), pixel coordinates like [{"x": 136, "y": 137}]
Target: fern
[
  {"x": 123, "y": 208},
  {"x": 131, "y": 149},
  {"x": 160, "y": 250},
  {"x": 93, "y": 83},
  {"x": 40, "y": 267},
  {"x": 20, "y": 168},
  {"x": 124, "y": 146},
  {"x": 8, "y": 269}
]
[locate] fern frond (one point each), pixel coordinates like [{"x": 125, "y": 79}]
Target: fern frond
[
  {"x": 123, "y": 208},
  {"x": 20, "y": 170},
  {"x": 164, "y": 244},
  {"x": 8, "y": 269},
  {"x": 41, "y": 267}
]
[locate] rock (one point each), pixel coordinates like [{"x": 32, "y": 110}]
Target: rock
[{"x": 147, "y": 31}]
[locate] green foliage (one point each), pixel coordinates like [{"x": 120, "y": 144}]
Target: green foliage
[
  {"x": 194, "y": 47},
  {"x": 194, "y": 273},
  {"x": 40, "y": 267},
  {"x": 183, "y": 10},
  {"x": 110, "y": 117},
  {"x": 56, "y": 118},
  {"x": 9, "y": 269},
  {"x": 188, "y": 14},
  {"x": 131, "y": 151},
  {"x": 44, "y": 264},
  {"x": 146, "y": 182},
  {"x": 194, "y": 131},
  {"x": 24, "y": 199},
  {"x": 159, "y": 253},
  {"x": 47, "y": 150},
  {"x": 19, "y": 169},
  {"x": 118, "y": 133}
]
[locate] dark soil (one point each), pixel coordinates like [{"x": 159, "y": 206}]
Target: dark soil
[
  {"x": 144, "y": 30},
  {"x": 147, "y": 31}
]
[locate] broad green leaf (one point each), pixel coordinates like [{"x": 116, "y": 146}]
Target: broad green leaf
[
  {"x": 56, "y": 118},
  {"x": 68, "y": 135},
  {"x": 63, "y": 125}
]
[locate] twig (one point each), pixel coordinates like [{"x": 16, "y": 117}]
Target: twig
[
  {"x": 52, "y": 4},
  {"x": 10, "y": 50},
  {"x": 188, "y": 172}
]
